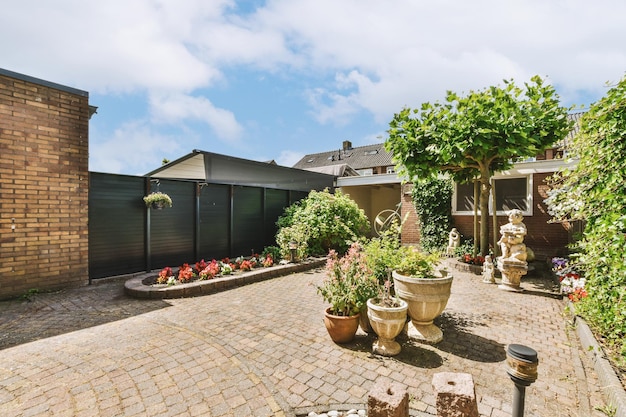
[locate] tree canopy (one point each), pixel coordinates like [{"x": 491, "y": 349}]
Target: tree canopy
[{"x": 473, "y": 136}]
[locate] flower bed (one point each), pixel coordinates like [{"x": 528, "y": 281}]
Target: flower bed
[
  {"x": 203, "y": 271},
  {"x": 469, "y": 263},
  {"x": 145, "y": 285},
  {"x": 571, "y": 282}
]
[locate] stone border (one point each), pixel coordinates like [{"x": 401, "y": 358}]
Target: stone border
[
  {"x": 611, "y": 385},
  {"x": 463, "y": 267},
  {"x": 136, "y": 287}
]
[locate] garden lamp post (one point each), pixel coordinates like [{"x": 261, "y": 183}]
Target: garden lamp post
[
  {"x": 293, "y": 247},
  {"x": 522, "y": 369}
]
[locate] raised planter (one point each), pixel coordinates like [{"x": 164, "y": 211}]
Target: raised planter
[{"x": 142, "y": 286}]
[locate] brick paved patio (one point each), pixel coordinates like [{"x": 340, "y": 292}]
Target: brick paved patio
[{"x": 262, "y": 350}]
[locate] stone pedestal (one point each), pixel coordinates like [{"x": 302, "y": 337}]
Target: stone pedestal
[
  {"x": 455, "y": 395},
  {"x": 388, "y": 399},
  {"x": 512, "y": 273}
]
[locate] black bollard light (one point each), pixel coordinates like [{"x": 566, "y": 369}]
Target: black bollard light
[{"x": 522, "y": 364}]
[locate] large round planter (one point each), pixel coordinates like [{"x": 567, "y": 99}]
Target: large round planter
[
  {"x": 427, "y": 298},
  {"x": 387, "y": 322},
  {"x": 341, "y": 329}
]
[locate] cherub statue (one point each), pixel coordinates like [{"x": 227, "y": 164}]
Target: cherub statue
[
  {"x": 513, "y": 234},
  {"x": 488, "y": 271}
]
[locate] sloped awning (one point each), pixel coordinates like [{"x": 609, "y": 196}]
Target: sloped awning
[
  {"x": 223, "y": 169},
  {"x": 339, "y": 170}
]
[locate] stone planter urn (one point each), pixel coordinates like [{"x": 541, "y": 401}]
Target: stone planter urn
[
  {"x": 341, "y": 329},
  {"x": 387, "y": 323},
  {"x": 427, "y": 298}
]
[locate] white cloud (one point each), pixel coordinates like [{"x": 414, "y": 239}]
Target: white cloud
[
  {"x": 134, "y": 145},
  {"x": 178, "y": 108},
  {"x": 348, "y": 60},
  {"x": 289, "y": 158}
]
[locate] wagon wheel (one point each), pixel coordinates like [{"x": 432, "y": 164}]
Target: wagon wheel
[{"x": 384, "y": 220}]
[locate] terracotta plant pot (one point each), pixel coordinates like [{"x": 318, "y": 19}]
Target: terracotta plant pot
[
  {"x": 387, "y": 322},
  {"x": 427, "y": 298},
  {"x": 341, "y": 328}
]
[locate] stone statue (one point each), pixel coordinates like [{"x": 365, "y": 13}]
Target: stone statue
[
  {"x": 512, "y": 264},
  {"x": 511, "y": 241},
  {"x": 454, "y": 240},
  {"x": 488, "y": 271}
]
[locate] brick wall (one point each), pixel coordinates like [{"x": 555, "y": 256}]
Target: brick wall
[
  {"x": 546, "y": 239},
  {"x": 43, "y": 185},
  {"x": 410, "y": 227}
]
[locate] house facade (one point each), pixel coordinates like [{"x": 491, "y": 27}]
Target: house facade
[{"x": 524, "y": 187}]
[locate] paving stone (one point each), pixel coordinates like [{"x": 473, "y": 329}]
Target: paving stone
[{"x": 262, "y": 349}]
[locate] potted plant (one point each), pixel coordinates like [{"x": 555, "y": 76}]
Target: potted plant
[
  {"x": 387, "y": 316},
  {"x": 158, "y": 200},
  {"x": 426, "y": 292},
  {"x": 347, "y": 287}
]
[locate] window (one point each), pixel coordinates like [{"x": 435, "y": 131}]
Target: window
[
  {"x": 391, "y": 169},
  {"x": 510, "y": 193},
  {"x": 364, "y": 172}
]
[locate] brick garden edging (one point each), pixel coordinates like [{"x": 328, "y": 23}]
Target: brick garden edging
[
  {"x": 610, "y": 383},
  {"x": 141, "y": 285}
]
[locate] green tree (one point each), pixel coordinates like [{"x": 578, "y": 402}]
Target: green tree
[
  {"x": 476, "y": 135},
  {"x": 594, "y": 191}
]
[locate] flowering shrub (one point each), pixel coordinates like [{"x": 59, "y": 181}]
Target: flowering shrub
[
  {"x": 472, "y": 260},
  {"x": 349, "y": 283},
  {"x": 320, "y": 222},
  {"x": 572, "y": 284}
]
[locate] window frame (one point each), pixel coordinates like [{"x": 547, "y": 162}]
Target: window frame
[{"x": 529, "y": 197}]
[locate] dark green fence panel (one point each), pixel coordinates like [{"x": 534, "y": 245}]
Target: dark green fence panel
[
  {"x": 214, "y": 221},
  {"x": 116, "y": 225},
  {"x": 172, "y": 230},
  {"x": 275, "y": 203},
  {"x": 247, "y": 221},
  {"x": 209, "y": 221},
  {"x": 295, "y": 196}
]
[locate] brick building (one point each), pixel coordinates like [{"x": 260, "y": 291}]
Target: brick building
[
  {"x": 378, "y": 188},
  {"x": 43, "y": 185}
]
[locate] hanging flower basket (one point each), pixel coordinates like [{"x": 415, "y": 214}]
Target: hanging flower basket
[{"x": 158, "y": 200}]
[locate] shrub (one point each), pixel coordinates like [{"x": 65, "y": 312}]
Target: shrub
[
  {"x": 321, "y": 222},
  {"x": 273, "y": 251}
]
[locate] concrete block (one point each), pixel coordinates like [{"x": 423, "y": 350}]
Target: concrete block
[
  {"x": 388, "y": 399},
  {"x": 455, "y": 395}
]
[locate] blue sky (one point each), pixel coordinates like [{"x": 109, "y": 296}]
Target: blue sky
[{"x": 279, "y": 79}]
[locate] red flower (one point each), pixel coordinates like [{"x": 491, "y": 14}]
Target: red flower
[
  {"x": 245, "y": 265},
  {"x": 200, "y": 266},
  {"x": 185, "y": 273},
  {"x": 164, "y": 275},
  {"x": 268, "y": 261}
]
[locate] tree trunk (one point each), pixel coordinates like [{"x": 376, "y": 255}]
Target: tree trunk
[{"x": 485, "y": 187}]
